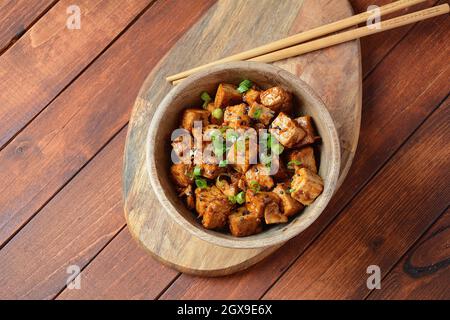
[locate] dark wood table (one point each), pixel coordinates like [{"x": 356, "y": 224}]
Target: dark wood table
[{"x": 65, "y": 100}]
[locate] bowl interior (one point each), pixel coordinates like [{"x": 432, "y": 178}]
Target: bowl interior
[{"x": 185, "y": 95}]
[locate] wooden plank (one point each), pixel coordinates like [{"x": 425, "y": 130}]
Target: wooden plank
[
  {"x": 424, "y": 272},
  {"x": 16, "y": 16},
  {"x": 60, "y": 141},
  {"x": 122, "y": 261},
  {"x": 49, "y": 56},
  {"x": 42, "y": 158},
  {"x": 399, "y": 87},
  {"x": 376, "y": 47},
  {"x": 381, "y": 223}
]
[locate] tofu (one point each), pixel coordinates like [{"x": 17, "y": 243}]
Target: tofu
[
  {"x": 211, "y": 171},
  {"x": 261, "y": 113},
  {"x": 260, "y": 174},
  {"x": 230, "y": 184},
  {"x": 182, "y": 147},
  {"x": 192, "y": 115},
  {"x": 286, "y": 130},
  {"x": 279, "y": 170},
  {"x": 289, "y": 206},
  {"x": 241, "y": 156},
  {"x": 306, "y": 186},
  {"x": 273, "y": 215},
  {"x": 213, "y": 206},
  {"x": 256, "y": 202},
  {"x": 188, "y": 194},
  {"x": 251, "y": 96},
  {"x": 227, "y": 95},
  {"x": 182, "y": 174},
  {"x": 236, "y": 116},
  {"x": 306, "y": 123},
  {"x": 243, "y": 224},
  {"x": 277, "y": 99},
  {"x": 304, "y": 157},
  {"x": 211, "y": 107}
]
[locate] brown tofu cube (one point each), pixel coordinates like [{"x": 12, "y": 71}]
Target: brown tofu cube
[
  {"x": 227, "y": 95},
  {"x": 272, "y": 214},
  {"x": 252, "y": 96},
  {"x": 302, "y": 158},
  {"x": 289, "y": 206},
  {"x": 211, "y": 107},
  {"x": 182, "y": 174},
  {"x": 277, "y": 99},
  {"x": 306, "y": 123},
  {"x": 259, "y": 174},
  {"x": 236, "y": 116},
  {"x": 256, "y": 202},
  {"x": 230, "y": 184},
  {"x": 213, "y": 206},
  {"x": 286, "y": 130},
  {"x": 241, "y": 156},
  {"x": 204, "y": 197},
  {"x": 306, "y": 185},
  {"x": 243, "y": 224},
  {"x": 261, "y": 113},
  {"x": 211, "y": 171},
  {"x": 192, "y": 115},
  {"x": 182, "y": 147}
]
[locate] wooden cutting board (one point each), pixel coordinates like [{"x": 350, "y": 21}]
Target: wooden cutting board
[{"x": 229, "y": 27}]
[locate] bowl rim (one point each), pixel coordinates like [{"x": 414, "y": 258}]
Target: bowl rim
[{"x": 244, "y": 242}]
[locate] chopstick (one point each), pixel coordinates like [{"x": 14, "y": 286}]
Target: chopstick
[{"x": 275, "y": 54}]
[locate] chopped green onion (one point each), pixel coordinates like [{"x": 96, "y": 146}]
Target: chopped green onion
[
  {"x": 240, "y": 197},
  {"x": 217, "y": 113},
  {"x": 244, "y": 86},
  {"x": 291, "y": 190},
  {"x": 201, "y": 183},
  {"x": 197, "y": 171},
  {"x": 223, "y": 163},
  {"x": 206, "y": 99},
  {"x": 277, "y": 148},
  {"x": 254, "y": 186},
  {"x": 232, "y": 136},
  {"x": 293, "y": 163},
  {"x": 257, "y": 114},
  {"x": 232, "y": 199}
]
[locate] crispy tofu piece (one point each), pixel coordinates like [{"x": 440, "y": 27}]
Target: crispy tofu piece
[
  {"x": 182, "y": 147},
  {"x": 302, "y": 158},
  {"x": 260, "y": 174},
  {"x": 277, "y": 99},
  {"x": 243, "y": 224},
  {"x": 255, "y": 202},
  {"x": 272, "y": 214},
  {"x": 306, "y": 185},
  {"x": 286, "y": 130},
  {"x": 289, "y": 206},
  {"x": 188, "y": 194},
  {"x": 279, "y": 170},
  {"x": 252, "y": 96},
  {"x": 226, "y": 95},
  {"x": 211, "y": 171},
  {"x": 213, "y": 206},
  {"x": 241, "y": 156},
  {"x": 182, "y": 174},
  {"x": 192, "y": 115},
  {"x": 261, "y": 113},
  {"x": 306, "y": 123},
  {"x": 230, "y": 184},
  {"x": 236, "y": 116},
  {"x": 203, "y": 197},
  {"x": 211, "y": 107}
]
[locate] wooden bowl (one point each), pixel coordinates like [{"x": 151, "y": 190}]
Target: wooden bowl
[{"x": 186, "y": 94}]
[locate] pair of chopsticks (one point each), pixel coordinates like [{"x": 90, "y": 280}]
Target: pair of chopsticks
[{"x": 296, "y": 45}]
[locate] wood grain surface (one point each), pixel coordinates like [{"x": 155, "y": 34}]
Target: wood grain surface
[{"x": 337, "y": 67}]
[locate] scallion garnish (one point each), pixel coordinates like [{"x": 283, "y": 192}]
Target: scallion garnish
[
  {"x": 217, "y": 113},
  {"x": 293, "y": 163},
  {"x": 197, "y": 171},
  {"x": 254, "y": 186},
  {"x": 201, "y": 183},
  {"x": 232, "y": 199},
  {"x": 206, "y": 99},
  {"x": 257, "y": 114},
  {"x": 244, "y": 86},
  {"x": 240, "y": 197},
  {"x": 277, "y": 148},
  {"x": 223, "y": 163}
]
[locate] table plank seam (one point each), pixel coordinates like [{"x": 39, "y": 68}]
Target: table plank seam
[
  {"x": 117, "y": 37},
  {"x": 356, "y": 194}
]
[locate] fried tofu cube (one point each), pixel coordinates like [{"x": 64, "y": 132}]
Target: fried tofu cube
[
  {"x": 272, "y": 214},
  {"x": 243, "y": 224},
  {"x": 306, "y": 123},
  {"x": 286, "y": 130},
  {"x": 192, "y": 115},
  {"x": 302, "y": 158},
  {"x": 213, "y": 206},
  {"x": 252, "y": 96},
  {"x": 188, "y": 194},
  {"x": 306, "y": 185},
  {"x": 255, "y": 202},
  {"x": 182, "y": 147},
  {"x": 182, "y": 174},
  {"x": 211, "y": 107},
  {"x": 241, "y": 156},
  {"x": 230, "y": 183},
  {"x": 289, "y": 206},
  {"x": 236, "y": 116},
  {"x": 277, "y": 99},
  {"x": 211, "y": 171},
  {"x": 259, "y": 174},
  {"x": 226, "y": 95},
  {"x": 261, "y": 113}
]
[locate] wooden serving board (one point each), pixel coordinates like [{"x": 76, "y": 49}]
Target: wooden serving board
[{"x": 231, "y": 26}]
